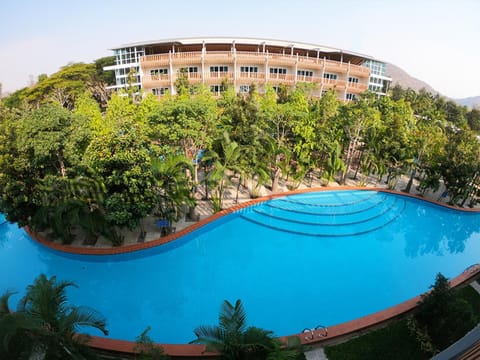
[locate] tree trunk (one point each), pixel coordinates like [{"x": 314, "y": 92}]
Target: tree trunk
[
  {"x": 358, "y": 165},
  {"x": 410, "y": 181},
  {"x": 61, "y": 163},
  {"x": 275, "y": 180}
]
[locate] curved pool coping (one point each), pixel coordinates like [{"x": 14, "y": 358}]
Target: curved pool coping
[{"x": 335, "y": 333}]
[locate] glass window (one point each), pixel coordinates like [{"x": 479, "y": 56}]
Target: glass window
[
  {"x": 244, "y": 89},
  {"x": 217, "y": 89},
  {"x": 218, "y": 68},
  {"x": 330, "y": 76},
  {"x": 305, "y": 73},
  {"x": 249, "y": 69},
  {"x": 278, "y": 71},
  {"x": 160, "y": 91},
  {"x": 156, "y": 72},
  {"x": 190, "y": 69}
]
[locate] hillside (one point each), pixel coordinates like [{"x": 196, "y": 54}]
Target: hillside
[
  {"x": 472, "y": 102},
  {"x": 401, "y": 77}
]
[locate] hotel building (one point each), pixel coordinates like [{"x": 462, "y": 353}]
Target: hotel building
[{"x": 155, "y": 65}]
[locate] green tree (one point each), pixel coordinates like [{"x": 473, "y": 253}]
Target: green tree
[
  {"x": 459, "y": 164},
  {"x": 145, "y": 349},
  {"x": 122, "y": 159},
  {"x": 62, "y": 87},
  {"x": 358, "y": 117},
  {"x": 235, "y": 341},
  {"x": 473, "y": 119},
  {"x": 45, "y": 325},
  {"x": 44, "y": 143},
  {"x": 225, "y": 165},
  {"x": 173, "y": 188},
  {"x": 186, "y": 123},
  {"x": 442, "y": 317},
  {"x": 397, "y": 146}
]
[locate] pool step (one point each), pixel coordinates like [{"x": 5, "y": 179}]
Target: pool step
[{"x": 365, "y": 215}]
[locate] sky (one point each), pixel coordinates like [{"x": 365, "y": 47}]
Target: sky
[{"x": 437, "y": 41}]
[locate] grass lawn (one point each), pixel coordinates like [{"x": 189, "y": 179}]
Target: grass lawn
[{"x": 392, "y": 342}]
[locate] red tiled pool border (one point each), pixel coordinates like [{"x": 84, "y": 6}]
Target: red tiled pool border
[{"x": 334, "y": 332}]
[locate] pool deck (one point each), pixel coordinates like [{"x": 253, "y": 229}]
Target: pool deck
[{"x": 204, "y": 209}]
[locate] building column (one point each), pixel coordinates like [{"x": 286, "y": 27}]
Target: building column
[
  {"x": 204, "y": 50},
  {"x": 234, "y": 67},
  {"x": 323, "y": 76},
  {"x": 346, "y": 82},
  {"x": 296, "y": 72},
  {"x": 170, "y": 65},
  {"x": 266, "y": 68}
]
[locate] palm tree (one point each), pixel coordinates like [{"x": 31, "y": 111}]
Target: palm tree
[
  {"x": 16, "y": 331},
  {"x": 235, "y": 341},
  {"x": 45, "y": 325},
  {"x": 173, "y": 189}
]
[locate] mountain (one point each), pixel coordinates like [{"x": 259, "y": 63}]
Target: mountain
[
  {"x": 471, "y": 102},
  {"x": 401, "y": 77}
]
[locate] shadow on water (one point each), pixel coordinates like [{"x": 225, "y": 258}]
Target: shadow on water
[{"x": 440, "y": 232}]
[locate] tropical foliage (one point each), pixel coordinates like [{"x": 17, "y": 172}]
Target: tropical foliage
[
  {"x": 45, "y": 325},
  {"x": 234, "y": 340},
  {"x": 69, "y": 169},
  {"x": 442, "y": 318}
]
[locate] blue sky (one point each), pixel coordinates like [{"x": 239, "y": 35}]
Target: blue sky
[{"x": 437, "y": 41}]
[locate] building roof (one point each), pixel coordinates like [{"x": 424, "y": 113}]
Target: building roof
[{"x": 248, "y": 41}]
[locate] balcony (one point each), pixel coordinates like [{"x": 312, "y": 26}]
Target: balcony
[
  {"x": 360, "y": 71},
  {"x": 356, "y": 88},
  {"x": 335, "y": 66},
  {"x": 218, "y": 77},
  {"x": 253, "y": 58},
  {"x": 217, "y": 57},
  {"x": 338, "y": 85},
  {"x": 287, "y": 79},
  {"x": 153, "y": 61},
  {"x": 283, "y": 60},
  {"x": 251, "y": 75},
  {"x": 151, "y": 81}
]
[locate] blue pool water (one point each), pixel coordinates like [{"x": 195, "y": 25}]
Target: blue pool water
[{"x": 296, "y": 262}]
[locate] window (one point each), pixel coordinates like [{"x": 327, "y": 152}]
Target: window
[
  {"x": 156, "y": 72},
  {"x": 353, "y": 80},
  {"x": 190, "y": 69},
  {"x": 160, "y": 91},
  {"x": 128, "y": 55},
  {"x": 244, "y": 89},
  {"x": 248, "y": 69},
  {"x": 351, "y": 96},
  {"x": 330, "y": 76},
  {"x": 278, "y": 71},
  {"x": 305, "y": 73},
  {"x": 217, "y": 89},
  {"x": 218, "y": 69}
]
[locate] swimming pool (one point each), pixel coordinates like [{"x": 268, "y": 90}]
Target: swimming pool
[{"x": 296, "y": 261}]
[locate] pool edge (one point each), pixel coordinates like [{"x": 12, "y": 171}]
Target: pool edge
[{"x": 335, "y": 333}]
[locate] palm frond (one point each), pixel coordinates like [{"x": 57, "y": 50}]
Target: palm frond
[
  {"x": 84, "y": 316},
  {"x": 4, "y": 308}
]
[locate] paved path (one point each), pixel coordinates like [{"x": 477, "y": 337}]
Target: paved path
[
  {"x": 204, "y": 208},
  {"x": 316, "y": 354}
]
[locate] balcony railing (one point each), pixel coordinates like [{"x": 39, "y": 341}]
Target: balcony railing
[{"x": 252, "y": 58}]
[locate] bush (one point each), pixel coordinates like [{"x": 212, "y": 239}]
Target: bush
[{"x": 443, "y": 317}]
